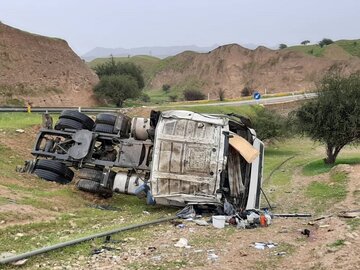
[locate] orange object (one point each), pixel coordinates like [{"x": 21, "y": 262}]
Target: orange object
[{"x": 263, "y": 221}]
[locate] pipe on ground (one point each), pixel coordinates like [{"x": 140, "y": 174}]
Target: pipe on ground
[{"x": 79, "y": 240}]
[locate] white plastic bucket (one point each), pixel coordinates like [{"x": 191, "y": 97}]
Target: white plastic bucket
[{"x": 218, "y": 221}]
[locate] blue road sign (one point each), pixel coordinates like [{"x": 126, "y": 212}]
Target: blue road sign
[{"x": 257, "y": 95}]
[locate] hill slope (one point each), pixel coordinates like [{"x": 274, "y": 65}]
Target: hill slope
[
  {"x": 231, "y": 67},
  {"x": 42, "y": 70}
]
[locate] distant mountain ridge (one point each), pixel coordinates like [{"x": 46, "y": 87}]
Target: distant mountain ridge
[{"x": 157, "y": 51}]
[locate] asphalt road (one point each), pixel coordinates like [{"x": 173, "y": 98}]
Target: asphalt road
[{"x": 270, "y": 100}]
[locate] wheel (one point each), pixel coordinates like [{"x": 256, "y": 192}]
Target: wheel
[
  {"x": 93, "y": 187},
  {"x": 56, "y": 167},
  {"x": 51, "y": 176},
  {"x": 105, "y": 128},
  {"x": 87, "y": 122},
  {"x": 94, "y": 175},
  {"x": 64, "y": 123},
  {"x": 106, "y": 118}
]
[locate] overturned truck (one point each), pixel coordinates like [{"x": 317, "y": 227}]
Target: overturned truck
[{"x": 173, "y": 157}]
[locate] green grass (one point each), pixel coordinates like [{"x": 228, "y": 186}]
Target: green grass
[
  {"x": 338, "y": 243},
  {"x": 8, "y": 161},
  {"x": 319, "y": 166},
  {"x": 325, "y": 194},
  {"x": 19, "y": 120},
  {"x": 146, "y": 62},
  {"x": 350, "y": 46},
  {"x": 354, "y": 223},
  {"x": 314, "y": 50}
]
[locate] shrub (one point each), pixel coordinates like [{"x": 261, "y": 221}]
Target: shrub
[{"x": 193, "y": 94}]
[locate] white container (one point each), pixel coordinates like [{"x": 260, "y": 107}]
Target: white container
[{"x": 218, "y": 221}]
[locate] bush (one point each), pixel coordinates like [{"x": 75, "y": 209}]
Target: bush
[
  {"x": 193, "y": 94},
  {"x": 173, "y": 98},
  {"x": 145, "y": 97},
  {"x": 325, "y": 41},
  {"x": 120, "y": 68},
  {"x": 166, "y": 87},
  {"x": 282, "y": 46},
  {"x": 221, "y": 94},
  {"x": 270, "y": 125},
  {"x": 246, "y": 91}
]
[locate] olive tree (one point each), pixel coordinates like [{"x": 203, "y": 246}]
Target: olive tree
[
  {"x": 118, "y": 81},
  {"x": 117, "y": 88},
  {"x": 333, "y": 118}
]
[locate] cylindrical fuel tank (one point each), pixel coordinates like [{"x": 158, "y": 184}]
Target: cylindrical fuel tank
[
  {"x": 126, "y": 183},
  {"x": 139, "y": 127}
]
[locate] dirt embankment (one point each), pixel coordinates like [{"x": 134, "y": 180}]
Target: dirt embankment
[
  {"x": 232, "y": 67},
  {"x": 42, "y": 70}
]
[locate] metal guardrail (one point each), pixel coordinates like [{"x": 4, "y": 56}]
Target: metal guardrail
[{"x": 58, "y": 109}]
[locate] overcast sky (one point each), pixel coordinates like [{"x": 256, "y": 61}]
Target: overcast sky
[{"x": 86, "y": 24}]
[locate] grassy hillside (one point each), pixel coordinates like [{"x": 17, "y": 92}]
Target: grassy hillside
[
  {"x": 146, "y": 62},
  {"x": 351, "y": 47}
]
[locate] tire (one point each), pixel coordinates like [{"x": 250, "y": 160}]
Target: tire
[
  {"x": 56, "y": 167},
  {"x": 93, "y": 187},
  {"x": 106, "y": 118},
  {"x": 91, "y": 174},
  {"x": 64, "y": 123},
  {"x": 104, "y": 128},
  {"x": 87, "y": 122},
  {"x": 51, "y": 176}
]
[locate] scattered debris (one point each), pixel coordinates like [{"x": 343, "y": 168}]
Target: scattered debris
[
  {"x": 182, "y": 243},
  {"x": 218, "y": 221},
  {"x": 306, "y": 232},
  {"x": 350, "y": 214},
  {"x": 292, "y": 215},
  {"x": 20, "y": 262},
  {"x": 212, "y": 256},
  {"x": 146, "y": 212},
  {"x": 187, "y": 212},
  {"x": 20, "y": 130},
  {"x": 322, "y": 217},
  {"x": 263, "y": 245},
  {"x": 104, "y": 207},
  {"x": 282, "y": 253},
  {"x": 180, "y": 226},
  {"x": 201, "y": 222}
]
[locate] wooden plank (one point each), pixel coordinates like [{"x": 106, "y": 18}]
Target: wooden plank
[{"x": 245, "y": 149}]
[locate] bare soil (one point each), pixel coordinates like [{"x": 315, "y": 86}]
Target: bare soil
[{"x": 43, "y": 71}]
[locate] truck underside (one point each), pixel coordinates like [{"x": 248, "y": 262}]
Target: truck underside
[{"x": 173, "y": 158}]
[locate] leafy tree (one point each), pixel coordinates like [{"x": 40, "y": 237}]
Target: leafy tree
[
  {"x": 193, "y": 94},
  {"x": 270, "y": 125},
  {"x": 333, "y": 118},
  {"x": 112, "y": 67},
  {"x": 305, "y": 42},
  {"x": 118, "y": 81},
  {"x": 282, "y": 46},
  {"x": 221, "y": 94},
  {"x": 166, "y": 87},
  {"x": 325, "y": 41},
  {"x": 173, "y": 98},
  {"x": 246, "y": 91},
  {"x": 145, "y": 97},
  {"x": 117, "y": 88}
]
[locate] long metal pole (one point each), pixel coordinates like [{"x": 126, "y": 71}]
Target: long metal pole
[{"x": 79, "y": 240}]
